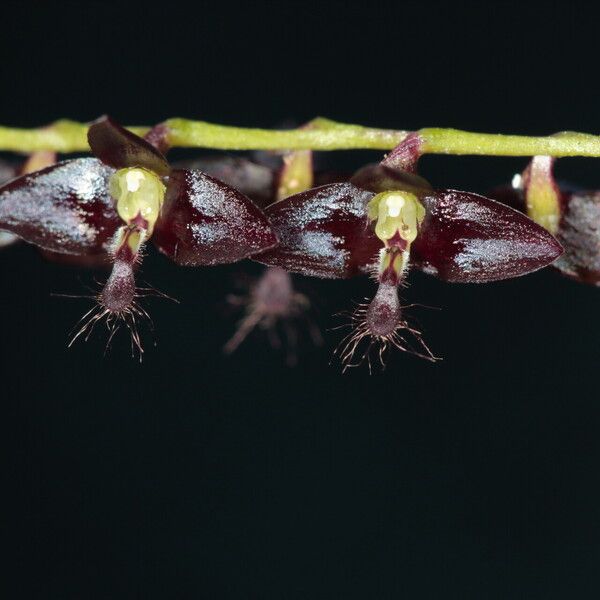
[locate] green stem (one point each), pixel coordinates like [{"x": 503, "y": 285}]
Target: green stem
[
  {"x": 61, "y": 136},
  {"x": 454, "y": 141},
  {"x": 323, "y": 135},
  {"x": 69, "y": 136}
]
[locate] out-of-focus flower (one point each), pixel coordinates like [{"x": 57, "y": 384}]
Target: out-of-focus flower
[{"x": 272, "y": 303}]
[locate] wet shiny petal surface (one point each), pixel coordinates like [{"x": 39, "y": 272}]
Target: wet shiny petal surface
[
  {"x": 205, "y": 222},
  {"x": 64, "y": 208},
  {"x": 251, "y": 179},
  {"x": 324, "y": 232},
  {"x": 469, "y": 238}
]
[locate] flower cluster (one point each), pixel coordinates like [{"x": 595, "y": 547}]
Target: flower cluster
[{"x": 382, "y": 221}]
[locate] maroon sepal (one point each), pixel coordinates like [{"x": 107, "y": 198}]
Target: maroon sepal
[
  {"x": 468, "y": 238},
  {"x": 251, "y": 179},
  {"x": 63, "y": 208},
  {"x": 205, "y": 222},
  {"x": 380, "y": 178},
  {"x": 119, "y": 148},
  {"x": 323, "y": 232}
]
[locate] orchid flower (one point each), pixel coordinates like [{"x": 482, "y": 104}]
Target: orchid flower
[
  {"x": 123, "y": 197},
  {"x": 386, "y": 220}
]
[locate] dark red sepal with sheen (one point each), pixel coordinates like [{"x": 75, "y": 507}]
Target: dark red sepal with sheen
[
  {"x": 468, "y": 238},
  {"x": 119, "y": 148},
  {"x": 251, "y": 179},
  {"x": 64, "y": 208},
  {"x": 380, "y": 178},
  {"x": 324, "y": 232},
  {"x": 205, "y": 222}
]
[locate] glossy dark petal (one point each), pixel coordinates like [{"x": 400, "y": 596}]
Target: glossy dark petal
[
  {"x": 64, "y": 208},
  {"x": 579, "y": 233},
  {"x": 324, "y": 232},
  {"x": 205, "y": 222},
  {"x": 379, "y": 178},
  {"x": 251, "y": 179},
  {"x": 119, "y": 148},
  {"x": 469, "y": 238}
]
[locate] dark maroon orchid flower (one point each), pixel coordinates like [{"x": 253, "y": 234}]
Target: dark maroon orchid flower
[
  {"x": 573, "y": 217},
  {"x": 386, "y": 218},
  {"x": 128, "y": 194}
]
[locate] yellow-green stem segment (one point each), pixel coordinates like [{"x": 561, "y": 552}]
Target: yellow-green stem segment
[{"x": 69, "y": 136}]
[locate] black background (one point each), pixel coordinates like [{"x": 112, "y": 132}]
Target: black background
[{"x": 197, "y": 476}]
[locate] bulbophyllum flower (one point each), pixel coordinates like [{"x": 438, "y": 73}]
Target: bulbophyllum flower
[
  {"x": 573, "y": 217},
  {"x": 387, "y": 219},
  {"x": 275, "y": 306},
  {"x": 114, "y": 203},
  {"x": 272, "y": 302}
]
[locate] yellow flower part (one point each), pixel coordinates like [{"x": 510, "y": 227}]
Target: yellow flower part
[
  {"x": 137, "y": 192},
  {"x": 396, "y": 212},
  {"x": 542, "y": 195}
]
